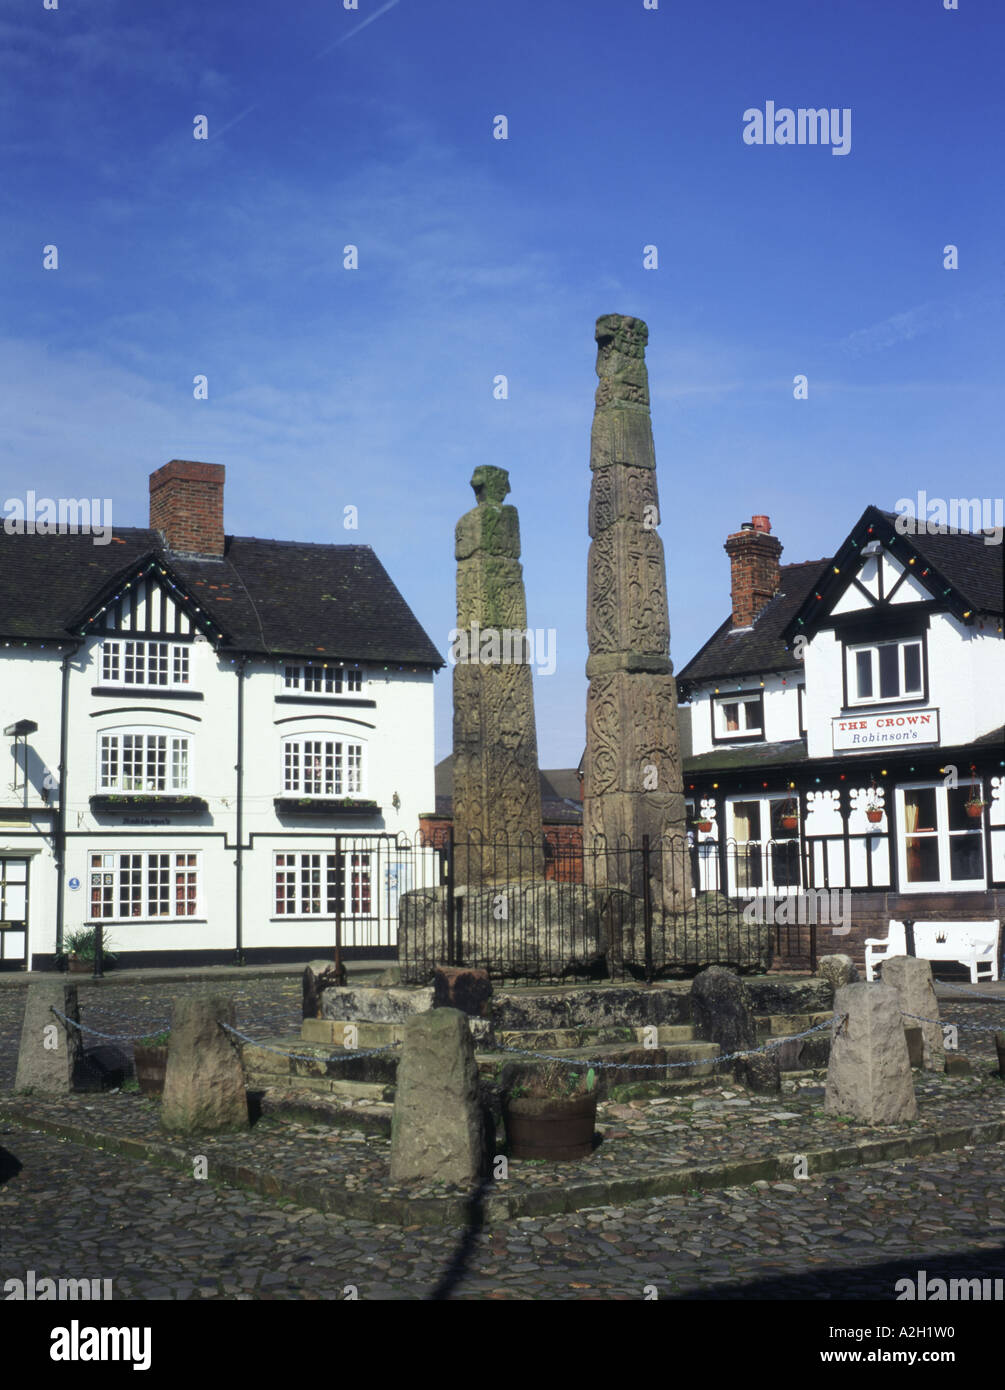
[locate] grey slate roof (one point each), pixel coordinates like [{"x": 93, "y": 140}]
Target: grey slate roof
[
  {"x": 284, "y": 598},
  {"x": 760, "y": 647}
]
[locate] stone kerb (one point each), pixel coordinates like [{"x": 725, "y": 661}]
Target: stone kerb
[{"x": 50, "y": 1049}]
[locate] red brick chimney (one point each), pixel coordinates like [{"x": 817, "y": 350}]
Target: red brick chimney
[
  {"x": 186, "y": 503},
  {"x": 753, "y": 556}
]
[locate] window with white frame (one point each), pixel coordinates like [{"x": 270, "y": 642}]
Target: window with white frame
[
  {"x": 940, "y": 843},
  {"x": 318, "y": 679},
  {"x": 321, "y": 885},
  {"x": 136, "y": 663},
  {"x": 738, "y": 716},
  {"x": 143, "y": 884},
  {"x": 143, "y": 760},
  {"x": 318, "y": 766},
  {"x": 881, "y": 671}
]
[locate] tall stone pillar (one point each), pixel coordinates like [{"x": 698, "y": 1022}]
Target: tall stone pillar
[
  {"x": 632, "y": 778},
  {"x": 497, "y": 788}
]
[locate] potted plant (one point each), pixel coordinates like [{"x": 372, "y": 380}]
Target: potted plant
[
  {"x": 552, "y": 1114},
  {"x": 150, "y": 1057},
  {"x": 974, "y": 805},
  {"x": 874, "y": 812},
  {"x": 703, "y": 824},
  {"x": 79, "y": 949}
]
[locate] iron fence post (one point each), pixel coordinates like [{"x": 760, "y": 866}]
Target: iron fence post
[
  {"x": 647, "y": 910},
  {"x": 449, "y": 847},
  {"x": 340, "y": 874},
  {"x": 99, "y": 950}
]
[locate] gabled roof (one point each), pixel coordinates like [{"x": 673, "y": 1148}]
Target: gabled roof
[
  {"x": 962, "y": 563},
  {"x": 961, "y": 571},
  {"x": 734, "y": 652},
  {"x": 285, "y": 598}
]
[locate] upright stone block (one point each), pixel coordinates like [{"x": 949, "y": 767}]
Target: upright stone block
[
  {"x": 721, "y": 1013},
  {"x": 912, "y": 979},
  {"x": 633, "y": 783},
  {"x": 496, "y": 784},
  {"x": 438, "y": 1126},
  {"x": 869, "y": 1073},
  {"x": 840, "y": 970},
  {"x": 50, "y": 1049},
  {"x": 204, "y": 1086}
]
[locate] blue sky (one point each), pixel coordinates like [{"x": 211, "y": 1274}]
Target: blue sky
[{"x": 478, "y": 257}]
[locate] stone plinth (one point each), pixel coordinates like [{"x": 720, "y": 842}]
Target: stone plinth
[
  {"x": 204, "y": 1086},
  {"x": 438, "y": 1125},
  {"x": 50, "y": 1049},
  {"x": 912, "y": 979},
  {"x": 869, "y": 1072}
]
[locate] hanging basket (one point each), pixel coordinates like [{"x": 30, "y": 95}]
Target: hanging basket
[{"x": 875, "y": 816}]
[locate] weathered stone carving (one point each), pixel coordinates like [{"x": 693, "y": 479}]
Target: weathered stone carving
[
  {"x": 633, "y": 784},
  {"x": 497, "y": 790}
]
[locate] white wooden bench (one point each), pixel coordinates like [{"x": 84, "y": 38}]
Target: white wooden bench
[{"x": 973, "y": 944}]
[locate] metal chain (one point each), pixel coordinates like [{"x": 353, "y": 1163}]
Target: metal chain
[
  {"x": 972, "y": 994},
  {"x": 109, "y": 1037},
  {"x": 943, "y": 1023}
]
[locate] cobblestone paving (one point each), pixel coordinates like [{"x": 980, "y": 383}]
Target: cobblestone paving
[{"x": 75, "y": 1213}]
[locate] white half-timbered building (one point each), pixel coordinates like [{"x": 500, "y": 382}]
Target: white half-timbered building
[
  {"x": 847, "y": 726},
  {"x": 211, "y": 742}
]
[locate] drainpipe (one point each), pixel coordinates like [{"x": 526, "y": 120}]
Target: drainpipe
[
  {"x": 59, "y": 847},
  {"x": 239, "y": 861}
]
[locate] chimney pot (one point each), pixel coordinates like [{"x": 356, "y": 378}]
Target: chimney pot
[{"x": 762, "y": 523}]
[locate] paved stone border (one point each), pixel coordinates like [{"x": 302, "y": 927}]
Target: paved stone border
[{"x": 452, "y": 1210}]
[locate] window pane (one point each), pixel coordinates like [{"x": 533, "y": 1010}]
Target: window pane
[
  {"x": 731, "y": 716},
  {"x": 966, "y": 856},
  {"x": 863, "y": 675},
  {"x": 746, "y": 820},
  {"x": 922, "y": 859},
  {"x": 957, "y": 798},
  {"x": 889, "y": 671},
  {"x": 919, "y": 809},
  {"x": 181, "y": 665},
  {"x": 752, "y": 714},
  {"x": 912, "y": 669}
]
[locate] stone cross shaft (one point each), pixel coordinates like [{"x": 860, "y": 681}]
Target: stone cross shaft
[
  {"x": 632, "y": 773},
  {"x": 497, "y": 789}
]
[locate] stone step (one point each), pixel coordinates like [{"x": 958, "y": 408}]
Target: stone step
[
  {"x": 330, "y": 1032},
  {"x": 311, "y": 1059},
  {"x": 784, "y": 1025},
  {"x": 321, "y": 1085}
]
